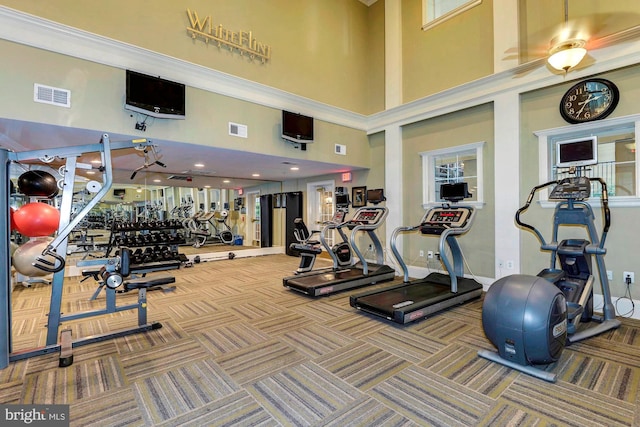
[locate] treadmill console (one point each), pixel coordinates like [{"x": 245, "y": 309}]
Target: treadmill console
[
  {"x": 338, "y": 217},
  {"x": 576, "y": 188},
  {"x": 366, "y": 216},
  {"x": 440, "y": 219}
]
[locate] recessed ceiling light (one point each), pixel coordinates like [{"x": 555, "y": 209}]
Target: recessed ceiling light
[
  {"x": 157, "y": 180},
  {"x": 207, "y": 186},
  {"x": 295, "y": 168},
  {"x": 199, "y": 165},
  {"x": 91, "y": 172},
  {"x": 96, "y": 162},
  {"x": 226, "y": 181},
  {"x": 255, "y": 174}
]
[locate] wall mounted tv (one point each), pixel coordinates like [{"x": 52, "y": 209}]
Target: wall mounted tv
[
  {"x": 297, "y": 128},
  {"x": 154, "y": 96}
]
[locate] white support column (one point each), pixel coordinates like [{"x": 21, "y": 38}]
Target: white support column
[
  {"x": 393, "y": 53},
  {"x": 393, "y": 182},
  {"x": 393, "y": 133},
  {"x": 507, "y": 183}
]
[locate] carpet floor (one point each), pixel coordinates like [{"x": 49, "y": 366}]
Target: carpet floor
[{"x": 238, "y": 349}]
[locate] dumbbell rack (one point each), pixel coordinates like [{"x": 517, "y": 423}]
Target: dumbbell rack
[{"x": 160, "y": 240}]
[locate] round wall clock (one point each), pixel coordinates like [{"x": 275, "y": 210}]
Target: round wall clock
[{"x": 591, "y": 99}]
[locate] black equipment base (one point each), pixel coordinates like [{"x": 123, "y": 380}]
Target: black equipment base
[
  {"x": 332, "y": 281},
  {"x": 415, "y": 300}
]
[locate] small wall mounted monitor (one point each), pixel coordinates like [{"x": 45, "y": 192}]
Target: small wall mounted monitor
[
  {"x": 154, "y": 96},
  {"x": 454, "y": 192},
  {"x": 342, "y": 200},
  {"x": 297, "y": 128},
  {"x": 119, "y": 193},
  {"x": 577, "y": 152},
  {"x": 375, "y": 196}
]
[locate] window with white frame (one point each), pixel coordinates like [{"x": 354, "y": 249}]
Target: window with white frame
[
  {"x": 462, "y": 163},
  {"x": 617, "y": 157},
  {"x": 437, "y": 11}
]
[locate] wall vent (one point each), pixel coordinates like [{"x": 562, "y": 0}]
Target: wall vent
[
  {"x": 341, "y": 149},
  {"x": 239, "y": 130},
  {"x": 51, "y": 95}
]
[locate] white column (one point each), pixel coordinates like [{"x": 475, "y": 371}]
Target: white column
[
  {"x": 393, "y": 182},
  {"x": 393, "y": 133},
  {"x": 507, "y": 183}
]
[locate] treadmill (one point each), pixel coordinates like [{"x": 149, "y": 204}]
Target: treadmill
[
  {"x": 363, "y": 273},
  {"x": 414, "y": 300}
]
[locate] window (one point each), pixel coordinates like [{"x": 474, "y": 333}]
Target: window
[
  {"x": 437, "y": 11},
  {"x": 462, "y": 163},
  {"x": 617, "y": 158}
]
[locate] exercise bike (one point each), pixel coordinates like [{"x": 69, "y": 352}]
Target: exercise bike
[{"x": 530, "y": 319}]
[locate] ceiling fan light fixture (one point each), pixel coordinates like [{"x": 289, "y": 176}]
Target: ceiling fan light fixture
[{"x": 567, "y": 54}]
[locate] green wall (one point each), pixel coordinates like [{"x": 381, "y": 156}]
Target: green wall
[{"x": 459, "y": 128}]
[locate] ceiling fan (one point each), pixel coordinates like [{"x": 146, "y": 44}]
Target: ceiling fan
[{"x": 571, "y": 41}]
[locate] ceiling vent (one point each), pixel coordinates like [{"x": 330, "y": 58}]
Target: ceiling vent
[
  {"x": 180, "y": 177},
  {"x": 51, "y": 95},
  {"x": 236, "y": 129}
]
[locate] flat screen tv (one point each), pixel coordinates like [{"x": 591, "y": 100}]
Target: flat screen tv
[
  {"x": 375, "y": 196},
  {"x": 297, "y": 128},
  {"x": 154, "y": 96},
  {"x": 577, "y": 152},
  {"x": 454, "y": 192}
]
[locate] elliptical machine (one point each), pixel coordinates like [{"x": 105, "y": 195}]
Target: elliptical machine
[{"x": 530, "y": 319}]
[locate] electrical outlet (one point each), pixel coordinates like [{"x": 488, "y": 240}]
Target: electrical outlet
[
  {"x": 630, "y": 275},
  {"x": 609, "y": 275},
  {"x": 509, "y": 264},
  {"x": 430, "y": 254},
  {"x": 421, "y": 253}
]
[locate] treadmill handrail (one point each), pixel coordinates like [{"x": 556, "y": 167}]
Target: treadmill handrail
[
  {"x": 331, "y": 225},
  {"x": 396, "y": 254},
  {"x": 370, "y": 229}
]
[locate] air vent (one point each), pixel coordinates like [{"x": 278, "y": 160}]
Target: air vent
[
  {"x": 51, "y": 95},
  {"x": 341, "y": 149},
  {"x": 239, "y": 130},
  {"x": 180, "y": 177}
]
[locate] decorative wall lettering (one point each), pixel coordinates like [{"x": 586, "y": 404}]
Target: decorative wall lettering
[{"x": 239, "y": 41}]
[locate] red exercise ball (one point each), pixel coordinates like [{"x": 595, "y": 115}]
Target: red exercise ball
[
  {"x": 38, "y": 183},
  {"x": 36, "y": 219}
]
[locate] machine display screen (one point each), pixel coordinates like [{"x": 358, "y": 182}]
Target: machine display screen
[{"x": 450, "y": 217}]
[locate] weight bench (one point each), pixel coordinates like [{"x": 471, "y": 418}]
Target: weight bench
[{"x": 127, "y": 269}]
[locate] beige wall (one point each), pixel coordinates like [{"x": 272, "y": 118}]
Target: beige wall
[
  {"x": 98, "y": 100},
  {"x": 459, "y": 128},
  {"x": 452, "y": 53},
  {"x": 539, "y": 112},
  {"x": 321, "y": 49}
]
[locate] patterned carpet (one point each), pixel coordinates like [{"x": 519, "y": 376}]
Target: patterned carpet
[{"x": 238, "y": 349}]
